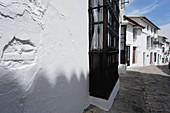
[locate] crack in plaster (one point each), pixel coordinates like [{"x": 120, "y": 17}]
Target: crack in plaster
[
  {"x": 34, "y": 8},
  {"x": 5, "y": 15}
]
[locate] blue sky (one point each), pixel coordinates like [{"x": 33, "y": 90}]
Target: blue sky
[{"x": 158, "y": 11}]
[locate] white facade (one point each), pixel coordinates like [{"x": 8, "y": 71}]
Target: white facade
[
  {"x": 148, "y": 50},
  {"x": 44, "y": 56},
  {"x": 121, "y": 67},
  {"x": 143, "y": 49},
  {"x": 44, "y": 64},
  {"x": 136, "y": 59},
  {"x": 164, "y": 46}
]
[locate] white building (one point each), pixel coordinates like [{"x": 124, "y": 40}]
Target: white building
[
  {"x": 164, "y": 46},
  {"x": 149, "y": 48},
  {"x": 141, "y": 41},
  {"x": 52, "y": 53},
  {"x": 134, "y": 38}
]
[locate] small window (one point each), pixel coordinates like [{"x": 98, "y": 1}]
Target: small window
[
  {"x": 152, "y": 42},
  {"x": 151, "y": 30},
  {"x": 163, "y": 49},
  {"x": 148, "y": 42},
  {"x": 134, "y": 34},
  {"x": 123, "y": 44},
  {"x": 155, "y": 31},
  {"x": 147, "y": 27}
]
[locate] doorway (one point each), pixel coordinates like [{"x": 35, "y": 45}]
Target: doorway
[
  {"x": 158, "y": 59},
  {"x": 134, "y": 55},
  {"x": 151, "y": 59}
]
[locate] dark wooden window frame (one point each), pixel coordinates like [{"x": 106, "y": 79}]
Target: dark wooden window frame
[
  {"x": 103, "y": 62},
  {"x": 123, "y": 45}
]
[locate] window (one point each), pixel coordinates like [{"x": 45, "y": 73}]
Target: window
[
  {"x": 96, "y": 26},
  {"x": 163, "y": 49},
  {"x": 151, "y": 30},
  {"x": 152, "y": 42},
  {"x": 163, "y": 40},
  {"x": 155, "y": 31},
  {"x": 166, "y": 60},
  {"x": 103, "y": 47},
  {"x": 148, "y": 42},
  {"x": 154, "y": 57},
  {"x": 123, "y": 44},
  {"x": 134, "y": 34},
  {"x": 147, "y": 27}
]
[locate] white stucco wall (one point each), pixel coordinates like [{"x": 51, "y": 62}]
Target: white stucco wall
[
  {"x": 140, "y": 44},
  {"x": 44, "y": 56},
  {"x": 121, "y": 67},
  {"x": 143, "y": 48}
]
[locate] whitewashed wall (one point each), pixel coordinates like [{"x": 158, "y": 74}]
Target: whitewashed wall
[
  {"x": 146, "y": 33},
  {"x": 121, "y": 67},
  {"x": 44, "y": 56},
  {"x": 139, "y": 43}
]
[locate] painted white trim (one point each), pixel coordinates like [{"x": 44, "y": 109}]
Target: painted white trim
[{"x": 105, "y": 104}]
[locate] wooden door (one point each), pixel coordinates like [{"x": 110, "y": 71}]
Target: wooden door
[{"x": 134, "y": 55}]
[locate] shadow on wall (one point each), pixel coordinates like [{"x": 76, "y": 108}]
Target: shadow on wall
[
  {"x": 12, "y": 96},
  {"x": 62, "y": 96}
]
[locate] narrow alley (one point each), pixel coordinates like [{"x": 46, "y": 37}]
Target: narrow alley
[{"x": 142, "y": 90}]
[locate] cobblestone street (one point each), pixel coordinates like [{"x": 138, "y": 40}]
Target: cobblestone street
[{"x": 142, "y": 90}]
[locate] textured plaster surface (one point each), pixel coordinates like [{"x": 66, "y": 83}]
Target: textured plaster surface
[{"x": 43, "y": 56}]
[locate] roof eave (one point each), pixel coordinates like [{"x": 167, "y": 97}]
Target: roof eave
[
  {"x": 134, "y": 22},
  {"x": 143, "y": 17}
]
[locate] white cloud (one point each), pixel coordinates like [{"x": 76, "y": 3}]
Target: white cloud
[
  {"x": 137, "y": 12},
  {"x": 165, "y": 31}
]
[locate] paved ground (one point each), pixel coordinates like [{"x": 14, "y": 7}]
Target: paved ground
[{"x": 142, "y": 90}]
